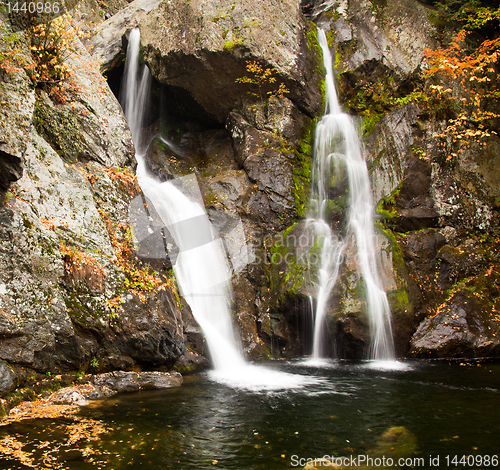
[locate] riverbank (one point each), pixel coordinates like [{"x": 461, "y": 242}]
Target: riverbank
[{"x": 67, "y": 401}]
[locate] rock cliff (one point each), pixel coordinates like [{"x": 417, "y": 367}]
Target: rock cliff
[
  {"x": 72, "y": 295},
  {"x": 237, "y": 88}
]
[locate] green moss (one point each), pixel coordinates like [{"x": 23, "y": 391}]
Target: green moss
[
  {"x": 286, "y": 277},
  {"x": 8, "y": 197},
  {"x": 59, "y": 126},
  {"x": 84, "y": 309},
  {"x": 330, "y": 38},
  {"x": 302, "y": 168},
  {"x": 338, "y": 59},
  {"x": 317, "y": 53},
  {"x": 398, "y": 300},
  {"x": 237, "y": 40},
  {"x": 27, "y": 223},
  {"x": 289, "y": 268},
  {"x": 386, "y": 208},
  {"x": 332, "y": 14},
  {"x": 230, "y": 45},
  {"x": 371, "y": 97}
]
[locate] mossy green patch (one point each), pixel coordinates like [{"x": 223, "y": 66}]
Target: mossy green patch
[
  {"x": 84, "y": 309},
  {"x": 317, "y": 54},
  {"x": 398, "y": 300},
  {"x": 59, "y": 126},
  {"x": 302, "y": 169},
  {"x": 386, "y": 208},
  {"x": 230, "y": 45}
]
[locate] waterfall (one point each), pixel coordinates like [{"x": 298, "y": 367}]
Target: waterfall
[
  {"x": 201, "y": 267},
  {"x": 135, "y": 91},
  {"x": 338, "y": 147}
]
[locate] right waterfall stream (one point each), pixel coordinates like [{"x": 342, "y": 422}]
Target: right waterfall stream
[{"x": 338, "y": 148}]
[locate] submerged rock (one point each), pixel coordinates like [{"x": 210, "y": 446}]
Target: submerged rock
[{"x": 395, "y": 443}]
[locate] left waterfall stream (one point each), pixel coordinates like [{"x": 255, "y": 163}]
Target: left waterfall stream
[{"x": 201, "y": 266}]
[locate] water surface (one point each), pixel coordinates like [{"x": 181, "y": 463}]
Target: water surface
[{"x": 445, "y": 408}]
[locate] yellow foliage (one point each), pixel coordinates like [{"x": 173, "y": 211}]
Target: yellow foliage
[{"x": 261, "y": 76}]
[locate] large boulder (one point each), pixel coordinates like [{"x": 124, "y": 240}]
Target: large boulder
[
  {"x": 464, "y": 327},
  {"x": 216, "y": 42}
]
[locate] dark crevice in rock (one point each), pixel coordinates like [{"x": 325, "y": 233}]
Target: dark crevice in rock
[{"x": 11, "y": 169}]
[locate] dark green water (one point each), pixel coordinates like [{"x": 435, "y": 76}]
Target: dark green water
[{"x": 447, "y": 409}]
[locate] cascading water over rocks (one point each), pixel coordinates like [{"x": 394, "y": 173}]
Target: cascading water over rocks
[
  {"x": 337, "y": 147},
  {"x": 201, "y": 267}
]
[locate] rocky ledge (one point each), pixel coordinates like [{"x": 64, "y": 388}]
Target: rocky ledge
[
  {"x": 109, "y": 384},
  {"x": 66, "y": 401}
]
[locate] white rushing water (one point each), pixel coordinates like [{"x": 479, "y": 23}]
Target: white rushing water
[
  {"x": 338, "y": 148},
  {"x": 201, "y": 268}
]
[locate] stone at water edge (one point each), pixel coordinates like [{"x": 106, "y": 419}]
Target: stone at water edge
[
  {"x": 3, "y": 408},
  {"x": 7, "y": 383},
  {"x": 110, "y": 383},
  {"x": 465, "y": 327}
]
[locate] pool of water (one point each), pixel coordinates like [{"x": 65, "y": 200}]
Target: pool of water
[{"x": 424, "y": 409}]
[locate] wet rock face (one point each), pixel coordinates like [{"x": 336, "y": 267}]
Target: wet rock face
[
  {"x": 16, "y": 112},
  {"x": 216, "y": 41},
  {"x": 444, "y": 211},
  {"x": 387, "y": 149},
  {"x": 68, "y": 295},
  {"x": 7, "y": 382},
  {"x": 260, "y": 155},
  {"x": 107, "y": 44},
  {"x": 11, "y": 169},
  {"x": 391, "y": 34},
  {"x": 247, "y": 190},
  {"x": 464, "y": 327},
  {"x": 57, "y": 299},
  {"x": 415, "y": 205}
]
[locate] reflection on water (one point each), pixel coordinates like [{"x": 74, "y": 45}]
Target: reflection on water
[{"x": 343, "y": 409}]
